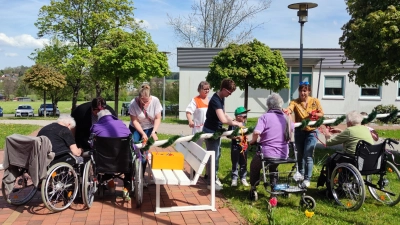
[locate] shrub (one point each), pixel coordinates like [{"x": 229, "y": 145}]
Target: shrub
[{"x": 382, "y": 109}]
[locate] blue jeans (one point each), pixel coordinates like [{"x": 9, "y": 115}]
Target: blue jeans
[
  {"x": 212, "y": 145},
  {"x": 305, "y": 142},
  {"x": 136, "y": 138},
  {"x": 239, "y": 162}
]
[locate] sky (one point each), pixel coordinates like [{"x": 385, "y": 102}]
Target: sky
[{"x": 279, "y": 29}]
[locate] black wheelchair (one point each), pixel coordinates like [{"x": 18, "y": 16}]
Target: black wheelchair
[
  {"x": 112, "y": 158},
  {"x": 283, "y": 182},
  {"x": 343, "y": 175},
  {"x": 58, "y": 189}
]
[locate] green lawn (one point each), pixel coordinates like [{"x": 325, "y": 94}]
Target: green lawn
[
  {"x": 10, "y": 106},
  {"x": 289, "y": 210},
  {"x": 8, "y": 129},
  {"x": 64, "y": 106}
]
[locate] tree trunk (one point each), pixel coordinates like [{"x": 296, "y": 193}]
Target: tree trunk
[
  {"x": 74, "y": 97},
  {"x": 116, "y": 93},
  {"x": 44, "y": 102},
  {"x": 98, "y": 89},
  {"x": 75, "y": 91}
]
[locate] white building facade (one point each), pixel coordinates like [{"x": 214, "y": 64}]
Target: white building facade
[{"x": 322, "y": 68}]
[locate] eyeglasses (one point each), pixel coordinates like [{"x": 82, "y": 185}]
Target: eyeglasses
[
  {"x": 207, "y": 89},
  {"x": 229, "y": 92},
  {"x": 304, "y": 83},
  {"x": 244, "y": 117}
]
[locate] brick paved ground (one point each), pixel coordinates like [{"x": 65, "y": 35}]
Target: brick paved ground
[{"x": 113, "y": 210}]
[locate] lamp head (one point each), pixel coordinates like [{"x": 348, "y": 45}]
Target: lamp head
[{"x": 302, "y": 8}]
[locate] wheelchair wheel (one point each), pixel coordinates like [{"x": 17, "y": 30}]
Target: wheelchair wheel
[
  {"x": 253, "y": 195},
  {"x": 390, "y": 183},
  {"x": 60, "y": 187},
  {"x": 138, "y": 182},
  {"x": 347, "y": 186},
  {"x": 89, "y": 186},
  {"x": 22, "y": 191},
  {"x": 307, "y": 202}
]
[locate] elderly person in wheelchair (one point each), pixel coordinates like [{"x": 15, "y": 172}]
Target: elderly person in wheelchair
[
  {"x": 109, "y": 126},
  {"x": 274, "y": 129},
  {"x": 61, "y": 137},
  {"x": 343, "y": 172},
  {"x": 349, "y": 137}
]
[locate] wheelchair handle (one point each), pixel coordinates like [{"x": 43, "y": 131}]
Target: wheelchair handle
[
  {"x": 392, "y": 141},
  {"x": 86, "y": 154}
]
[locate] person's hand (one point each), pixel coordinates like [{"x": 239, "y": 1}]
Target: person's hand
[
  {"x": 239, "y": 124},
  {"x": 154, "y": 135},
  {"x": 286, "y": 111},
  {"x": 191, "y": 124},
  {"x": 335, "y": 130},
  {"x": 144, "y": 136}
]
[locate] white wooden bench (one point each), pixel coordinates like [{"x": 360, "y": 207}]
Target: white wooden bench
[{"x": 197, "y": 159}]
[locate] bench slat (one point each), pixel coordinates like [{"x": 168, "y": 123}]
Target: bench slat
[
  {"x": 158, "y": 176},
  {"x": 192, "y": 152},
  {"x": 170, "y": 177},
  {"x": 182, "y": 177}
]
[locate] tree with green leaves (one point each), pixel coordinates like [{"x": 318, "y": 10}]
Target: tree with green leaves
[
  {"x": 372, "y": 39},
  {"x": 82, "y": 23},
  {"x": 252, "y": 64},
  {"x": 45, "y": 79},
  {"x": 52, "y": 55},
  {"x": 122, "y": 55}
]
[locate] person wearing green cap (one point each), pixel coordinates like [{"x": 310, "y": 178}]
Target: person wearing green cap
[
  {"x": 215, "y": 117},
  {"x": 238, "y": 152}
]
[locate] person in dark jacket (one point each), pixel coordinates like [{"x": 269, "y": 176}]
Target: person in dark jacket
[{"x": 85, "y": 116}]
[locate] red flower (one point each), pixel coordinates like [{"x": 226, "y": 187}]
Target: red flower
[{"x": 273, "y": 201}]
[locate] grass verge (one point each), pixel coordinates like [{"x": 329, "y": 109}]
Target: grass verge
[{"x": 8, "y": 129}]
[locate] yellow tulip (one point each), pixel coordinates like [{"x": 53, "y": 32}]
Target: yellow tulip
[{"x": 309, "y": 214}]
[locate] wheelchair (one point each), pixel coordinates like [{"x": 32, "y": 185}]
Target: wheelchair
[
  {"x": 111, "y": 158},
  {"x": 58, "y": 189},
  {"x": 345, "y": 175},
  {"x": 283, "y": 182},
  {"x": 62, "y": 183}
]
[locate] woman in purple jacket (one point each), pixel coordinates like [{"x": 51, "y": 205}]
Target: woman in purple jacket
[{"x": 274, "y": 136}]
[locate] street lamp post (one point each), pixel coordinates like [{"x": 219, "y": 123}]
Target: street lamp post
[
  {"x": 302, "y": 13},
  {"x": 163, "y": 112}
]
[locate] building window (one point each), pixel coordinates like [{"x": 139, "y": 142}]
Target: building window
[
  {"x": 398, "y": 89},
  {"x": 334, "y": 86},
  {"x": 370, "y": 91}
]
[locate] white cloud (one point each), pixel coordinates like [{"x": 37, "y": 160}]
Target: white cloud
[
  {"x": 145, "y": 24},
  {"x": 22, "y": 41},
  {"x": 335, "y": 23},
  {"x": 11, "y": 54}
]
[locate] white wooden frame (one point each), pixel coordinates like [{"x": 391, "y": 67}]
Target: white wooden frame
[{"x": 197, "y": 159}]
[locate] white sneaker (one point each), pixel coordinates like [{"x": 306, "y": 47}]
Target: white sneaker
[
  {"x": 306, "y": 183},
  {"x": 217, "y": 187},
  {"x": 244, "y": 182},
  {"x": 234, "y": 183},
  {"x": 218, "y": 182}
]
